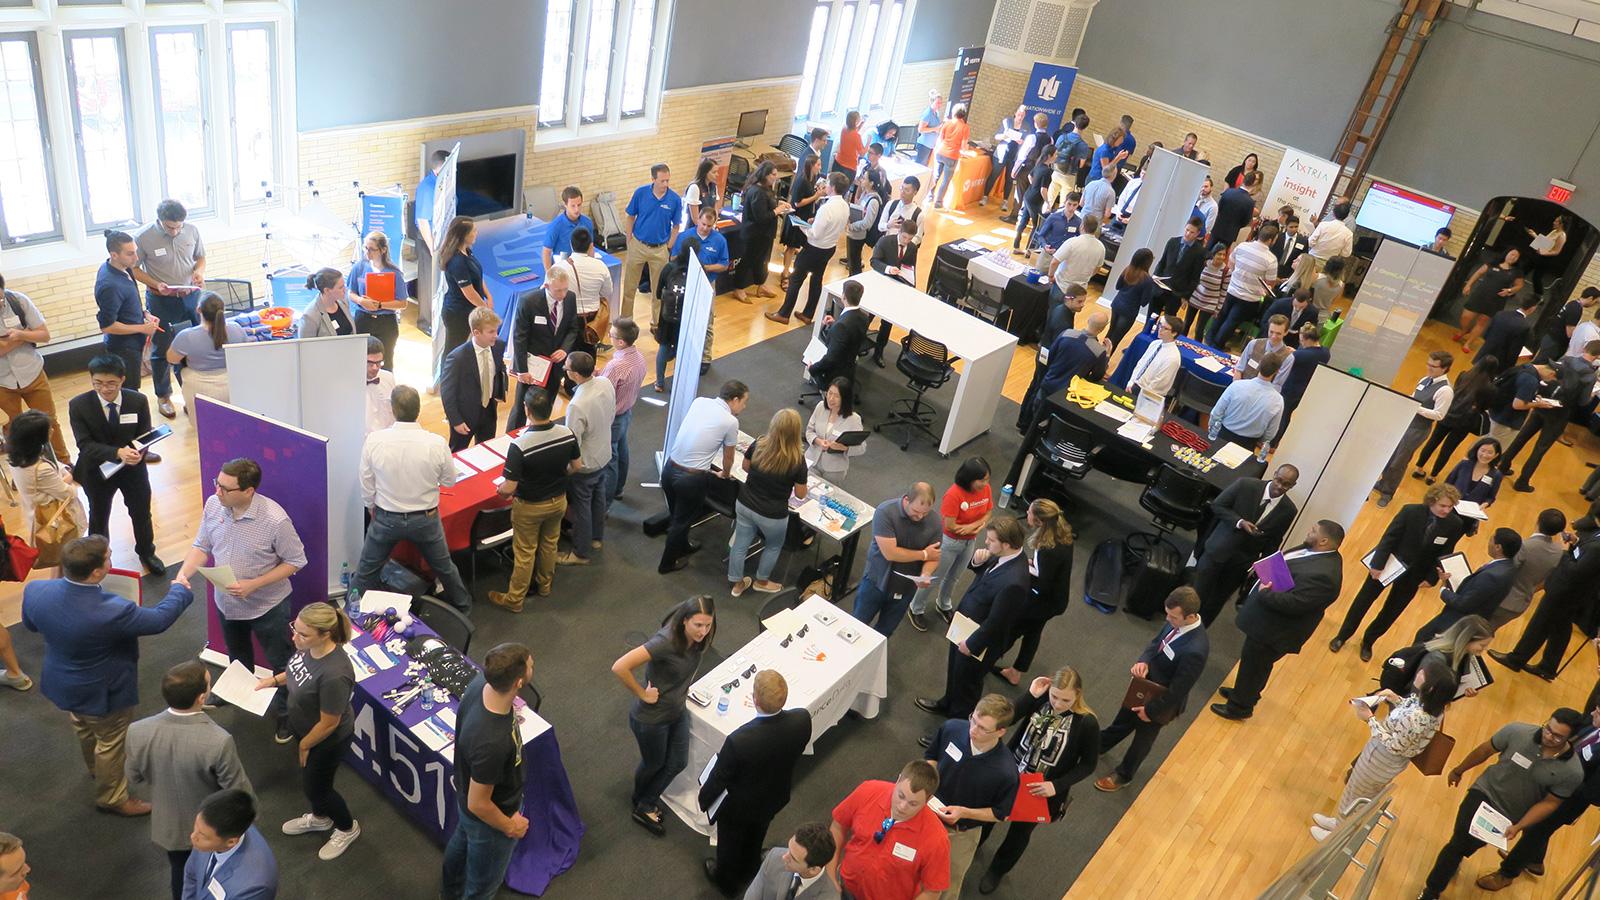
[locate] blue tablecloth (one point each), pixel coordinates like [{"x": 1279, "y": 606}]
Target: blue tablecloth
[
  {"x": 1191, "y": 351},
  {"x": 516, "y": 241},
  {"x": 418, "y": 779}
]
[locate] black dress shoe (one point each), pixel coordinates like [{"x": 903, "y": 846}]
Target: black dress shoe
[
  {"x": 705, "y": 367},
  {"x": 1546, "y": 674},
  {"x": 1522, "y": 487},
  {"x": 1506, "y": 660},
  {"x": 925, "y": 741},
  {"x": 673, "y": 566},
  {"x": 878, "y": 361},
  {"x": 1225, "y": 692},
  {"x": 1335, "y": 645},
  {"x": 652, "y": 824},
  {"x": 1229, "y": 712},
  {"x": 947, "y": 615},
  {"x": 153, "y": 564},
  {"x": 694, "y": 547},
  {"x": 710, "y": 866},
  {"x": 936, "y": 707},
  {"x": 989, "y": 883},
  {"x": 1366, "y": 653}
]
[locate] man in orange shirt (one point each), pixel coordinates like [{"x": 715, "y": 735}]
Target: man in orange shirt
[
  {"x": 953, "y": 136},
  {"x": 13, "y": 868}
]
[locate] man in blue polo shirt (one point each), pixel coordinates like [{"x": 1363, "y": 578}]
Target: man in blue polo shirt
[
  {"x": 653, "y": 213},
  {"x": 713, "y": 256},
  {"x": 558, "y": 235},
  {"x": 123, "y": 321},
  {"x": 928, "y": 127}
]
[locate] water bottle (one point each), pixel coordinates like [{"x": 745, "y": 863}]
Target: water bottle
[
  {"x": 352, "y": 597},
  {"x": 1005, "y": 497},
  {"x": 722, "y": 704}
]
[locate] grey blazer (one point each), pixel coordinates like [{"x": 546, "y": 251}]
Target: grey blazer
[
  {"x": 181, "y": 760},
  {"x": 772, "y": 882},
  {"x": 316, "y": 323}
]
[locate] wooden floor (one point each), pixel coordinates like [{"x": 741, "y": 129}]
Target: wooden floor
[{"x": 1229, "y": 809}]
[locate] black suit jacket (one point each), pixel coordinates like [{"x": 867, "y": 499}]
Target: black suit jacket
[
  {"x": 995, "y": 601},
  {"x": 1482, "y": 591},
  {"x": 1573, "y": 580},
  {"x": 886, "y": 252},
  {"x": 1296, "y": 246},
  {"x": 533, "y": 333},
  {"x": 1285, "y": 620},
  {"x": 1243, "y": 500},
  {"x": 1076, "y": 760},
  {"x": 459, "y": 390},
  {"x": 98, "y": 439},
  {"x": 1181, "y": 268},
  {"x": 1178, "y": 673},
  {"x": 1505, "y": 337},
  {"x": 1052, "y": 587},
  {"x": 845, "y": 338},
  {"x": 756, "y": 767},
  {"x": 1406, "y": 537}
]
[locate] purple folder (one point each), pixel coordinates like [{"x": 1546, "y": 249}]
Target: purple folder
[{"x": 1274, "y": 570}]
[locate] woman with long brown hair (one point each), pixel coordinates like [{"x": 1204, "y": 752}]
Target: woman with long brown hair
[
  {"x": 380, "y": 318},
  {"x": 761, "y": 210},
  {"x": 198, "y": 349},
  {"x": 775, "y": 470},
  {"x": 463, "y": 278},
  {"x": 1049, "y": 551}
]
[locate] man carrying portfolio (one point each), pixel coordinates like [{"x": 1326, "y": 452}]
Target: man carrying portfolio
[{"x": 1174, "y": 661}]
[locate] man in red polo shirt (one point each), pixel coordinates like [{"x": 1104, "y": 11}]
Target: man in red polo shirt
[{"x": 890, "y": 845}]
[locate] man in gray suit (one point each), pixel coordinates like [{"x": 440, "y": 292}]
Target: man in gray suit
[
  {"x": 798, "y": 871},
  {"x": 182, "y": 757}
]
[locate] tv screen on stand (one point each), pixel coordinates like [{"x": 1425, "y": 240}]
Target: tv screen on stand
[
  {"x": 1402, "y": 215},
  {"x": 486, "y": 185}
]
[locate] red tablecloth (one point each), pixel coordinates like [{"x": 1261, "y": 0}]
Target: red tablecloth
[{"x": 459, "y": 505}]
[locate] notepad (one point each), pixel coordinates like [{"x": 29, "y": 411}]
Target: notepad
[
  {"x": 1456, "y": 569},
  {"x": 1230, "y": 455},
  {"x": 1274, "y": 570},
  {"x": 1471, "y": 510},
  {"x": 961, "y": 628},
  {"x": 480, "y": 457},
  {"x": 539, "y": 368},
  {"x": 1393, "y": 570},
  {"x": 500, "y": 445},
  {"x": 380, "y": 286}
]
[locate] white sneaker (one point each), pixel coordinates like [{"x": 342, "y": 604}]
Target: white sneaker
[
  {"x": 1326, "y": 823},
  {"x": 15, "y": 681},
  {"x": 307, "y": 824},
  {"x": 1321, "y": 834},
  {"x": 339, "y": 841}
]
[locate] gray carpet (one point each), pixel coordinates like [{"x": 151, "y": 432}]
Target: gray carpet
[{"x": 596, "y": 614}]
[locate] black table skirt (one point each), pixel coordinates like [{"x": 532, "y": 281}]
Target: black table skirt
[{"x": 1029, "y": 301}]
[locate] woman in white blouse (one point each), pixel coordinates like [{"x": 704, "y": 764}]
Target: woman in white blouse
[
  {"x": 41, "y": 479},
  {"x": 834, "y": 416},
  {"x": 1404, "y": 733}
]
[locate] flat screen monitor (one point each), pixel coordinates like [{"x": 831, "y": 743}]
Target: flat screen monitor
[
  {"x": 486, "y": 185},
  {"x": 1402, "y": 215},
  {"x": 752, "y": 123}
]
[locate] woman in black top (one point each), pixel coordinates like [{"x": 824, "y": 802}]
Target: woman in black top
[
  {"x": 761, "y": 211},
  {"x": 658, "y": 718},
  {"x": 463, "y": 281},
  {"x": 1049, "y": 553},
  {"x": 803, "y": 197},
  {"x": 1487, "y": 292},
  {"x": 1236, "y": 174},
  {"x": 1474, "y": 392},
  {"x": 674, "y": 281},
  {"x": 320, "y": 679},
  {"x": 775, "y": 468},
  {"x": 1033, "y": 199},
  {"x": 1054, "y": 733}
]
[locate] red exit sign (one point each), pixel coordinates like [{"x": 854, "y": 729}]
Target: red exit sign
[{"x": 1559, "y": 191}]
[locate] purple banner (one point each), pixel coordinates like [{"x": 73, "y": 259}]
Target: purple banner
[{"x": 294, "y": 472}]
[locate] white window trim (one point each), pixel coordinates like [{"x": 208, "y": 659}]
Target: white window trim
[
  {"x": 830, "y": 40},
  {"x": 573, "y": 131},
  {"x": 227, "y": 220}
]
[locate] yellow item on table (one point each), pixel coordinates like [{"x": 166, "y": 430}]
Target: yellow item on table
[{"x": 1086, "y": 393}]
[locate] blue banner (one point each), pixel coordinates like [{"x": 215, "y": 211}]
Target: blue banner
[
  {"x": 385, "y": 213},
  {"x": 1049, "y": 86}
]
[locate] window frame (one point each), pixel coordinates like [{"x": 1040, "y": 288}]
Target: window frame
[
  {"x": 277, "y": 182},
  {"x": 840, "y": 45},
  {"x": 31, "y": 41},
  {"x": 86, "y": 201},
  {"x": 622, "y": 51},
  {"x": 202, "y": 52},
  {"x": 573, "y": 126},
  {"x": 566, "y": 81}
]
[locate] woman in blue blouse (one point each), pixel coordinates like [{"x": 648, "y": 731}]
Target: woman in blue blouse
[
  {"x": 1135, "y": 290},
  {"x": 1476, "y": 476},
  {"x": 380, "y": 318}
]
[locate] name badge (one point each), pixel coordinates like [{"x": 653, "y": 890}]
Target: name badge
[
  {"x": 1249, "y": 365},
  {"x": 1587, "y": 752},
  {"x": 216, "y": 891},
  {"x": 1521, "y": 760},
  {"x": 128, "y": 418},
  {"x": 952, "y": 751},
  {"x": 540, "y": 320},
  {"x": 1440, "y": 540},
  {"x": 901, "y": 851},
  {"x": 161, "y": 251},
  {"x": 1487, "y": 479},
  {"x": 1167, "y": 652}
]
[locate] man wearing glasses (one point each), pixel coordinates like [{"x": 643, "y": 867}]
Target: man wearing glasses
[
  {"x": 977, "y": 779},
  {"x": 889, "y": 845},
  {"x": 252, "y": 536},
  {"x": 1536, "y": 771}
]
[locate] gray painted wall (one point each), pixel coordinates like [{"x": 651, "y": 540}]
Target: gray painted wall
[
  {"x": 1230, "y": 60},
  {"x": 719, "y": 41},
  {"x": 941, "y": 27},
  {"x": 435, "y": 58}
]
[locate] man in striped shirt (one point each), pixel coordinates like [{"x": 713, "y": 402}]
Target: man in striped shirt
[
  {"x": 253, "y": 536},
  {"x": 1255, "y": 274},
  {"x": 625, "y": 371}
]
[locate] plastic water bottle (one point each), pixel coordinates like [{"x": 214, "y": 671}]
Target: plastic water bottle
[
  {"x": 722, "y": 705},
  {"x": 352, "y": 597},
  {"x": 1005, "y": 497}
]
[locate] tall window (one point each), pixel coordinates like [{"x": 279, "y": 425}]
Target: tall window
[
  {"x": 179, "y": 76},
  {"x": 99, "y": 95},
  {"x": 27, "y": 203},
  {"x": 602, "y": 64},
  {"x": 254, "y": 109},
  {"x": 851, "y": 53}
]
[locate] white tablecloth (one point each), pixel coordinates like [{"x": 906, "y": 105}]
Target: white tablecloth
[
  {"x": 851, "y": 676},
  {"x": 994, "y": 268}
]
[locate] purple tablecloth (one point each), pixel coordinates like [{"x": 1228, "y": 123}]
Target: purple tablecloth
[{"x": 419, "y": 780}]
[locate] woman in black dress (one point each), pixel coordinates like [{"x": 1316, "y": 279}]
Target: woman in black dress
[
  {"x": 803, "y": 197},
  {"x": 761, "y": 211},
  {"x": 1049, "y": 553},
  {"x": 1487, "y": 292}
]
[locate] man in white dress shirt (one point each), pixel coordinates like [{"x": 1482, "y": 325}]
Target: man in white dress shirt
[
  {"x": 380, "y": 384},
  {"x": 902, "y": 208},
  {"x": 822, "y": 239},
  {"x": 1158, "y": 369},
  {"x": 1077, "y": 259},
  {"x": 1330, "y": 240},
  {"x": 402, "y": 469}
]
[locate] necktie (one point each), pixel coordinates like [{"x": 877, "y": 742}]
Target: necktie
[
  {"x": 794, "y": 886},
  {"x": 211, "y": 869},
  {"x": 1127, "y": 207},
  {"x": 1168, "y": 639},
  {"x": 111, "y": 413},
  {"x": 372, "y": 381},
  {"x": 555, "y": 313},
  {"x": 485, "y": 376}
]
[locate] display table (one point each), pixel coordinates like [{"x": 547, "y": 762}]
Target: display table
[
  {"x": 416, "y": 775},
  {"x": 850, "y": 675},
  {"x": 966, "y": 186},
  {"x": 1027, "y": 291},
  {"x": 898, "y": 168},
  {"x": 478, "y": 476},
  {"x": 1191, "y": 351},
  {"x": 821, "y": 517},
  {"x": 516, "y": 241}
]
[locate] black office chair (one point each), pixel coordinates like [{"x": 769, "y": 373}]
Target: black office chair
[
  {"x": 1176, "y": 499},
  {"x": 1067, "y": 448},
  {"x": 947, "y": 281},
  {"x": 987, "y": 302},
  {"x": 531, "y": 696},
  {"x": 738, "y": 174},
  {"x": 452, "y": 626},
  {"x": 237, "y": 294},
  {"x": 794, "y": 145},
  {"x": 491, "y": 533},
  {"x": 1197, "y": 393},
  {"x": 926, "y": 365}
]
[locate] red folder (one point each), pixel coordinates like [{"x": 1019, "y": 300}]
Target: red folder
[
  {"x": 1027, "y": 807},
  {"x": 380, "y": 286}
]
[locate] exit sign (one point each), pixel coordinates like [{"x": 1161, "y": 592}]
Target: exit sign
[{"x": 1559, "y": 191}]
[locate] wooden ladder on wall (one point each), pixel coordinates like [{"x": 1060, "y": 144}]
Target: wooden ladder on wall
[{"x": 1408, "y": 32}]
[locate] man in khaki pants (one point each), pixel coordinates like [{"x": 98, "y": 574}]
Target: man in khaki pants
[
  {"x": 653, "y": 215},
  {"x": 539, "y": 464},
  {"x": 22, "y": 378}
]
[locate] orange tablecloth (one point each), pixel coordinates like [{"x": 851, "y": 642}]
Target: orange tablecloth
[{"x": 966, "y": 188}]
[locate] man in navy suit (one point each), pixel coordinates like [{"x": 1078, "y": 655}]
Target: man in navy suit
[
  {"x": 543, "y": 323},
  {"x": 1481, "y": 592},
  {"x": 91, "y": 662},
  {"x": 845, "y": 337},
  {"x": 749, "y": 783},
  {"x": 231, "y": 859},
  {"x": 995, "y": 602},
  {"x": 1174, "y": 659},
  {"x": 474, "y": 382}
]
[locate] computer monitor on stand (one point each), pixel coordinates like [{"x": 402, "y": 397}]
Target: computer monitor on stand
[{"x": 751, "y": 124}]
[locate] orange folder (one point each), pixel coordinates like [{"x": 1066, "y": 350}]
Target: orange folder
[{"x": 380, "y": 286}]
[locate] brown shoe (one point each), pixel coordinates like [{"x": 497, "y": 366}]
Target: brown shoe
[
  {"x": 804, "y": 319},
  {"x": 1109, "y": 784},
  {"x": 130, "y": 807},
  {"x": 781, "y": 320},
  {"x": 164, "y": 405},
  {"x": 1494, "y": 881},
  {"x": 499, "y": 599}
]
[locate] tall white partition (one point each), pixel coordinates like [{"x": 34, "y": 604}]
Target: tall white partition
[
  {"x": 1396, "y": 295},
  {"x": 697, "y": 299},
  {"x": 1165, "y": 202}
]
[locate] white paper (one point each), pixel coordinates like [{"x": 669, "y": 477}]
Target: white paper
[
  {"x": 124, "y": 586},
  {"x": 1230, "y": 455},
  {"x": 1393, "y": 570},
  {"x": 481, "y": 458},
  {"x": 961, "y": 628},
  {"x": 219, "y": 576},
  {"x": 500, "y": 445},
  {"x": 1489, "y": 826},
  {"x": 1371, "y": 700},
  {"x": 705, "y": 774},
  {"x": 539, "y": 368},
  {"x": 362, "y": 668},
  {"x": 530, "y": 724},
  {"x": 431, "y": 734},
  {"x": 814, "y": 351},
  {"x": 1113, "y": 411},
  {"x": 447, "y": 716},
  {"x": 1210, "y": 363},
  {"x": 1456, "y": 569},
  {"x": 238, "y": 686},
  {"x": 1471, "y": 510},
  {"x": 785, "y": 621},
  {"x": 376, "y": 655},
  {"x": 463, "y": 471},
  {"x": 1148, "y": 406},
  {"x": 1541, "y": 243},
  {"x": 1136, "y": 430},
  {"x": 380, "y": 601}
]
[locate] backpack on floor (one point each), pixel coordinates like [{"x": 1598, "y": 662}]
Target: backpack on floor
[
  {"x": 1155, "y": 568},
  {"x": 603, "y": 209},
  {"x": 1102, "y": 580}
]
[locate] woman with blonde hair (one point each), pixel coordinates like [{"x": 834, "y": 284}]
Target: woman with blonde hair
[
  {"x": 380, "y": 318},
  {"x": 320, "y": 679},
  {"x": 1054, "y": 733},
  {"x": 775, "y": 470},
  {"x": 1049, "y": 551},
  {"x": 198, "y": 349}
]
